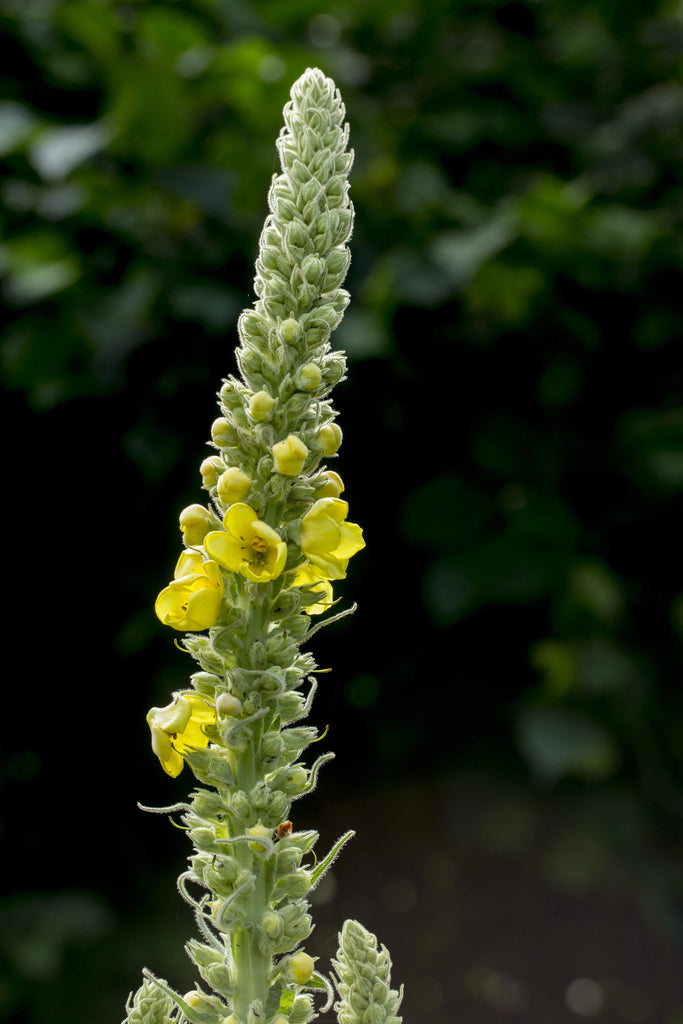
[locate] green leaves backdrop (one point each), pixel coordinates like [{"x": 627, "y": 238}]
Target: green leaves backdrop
[{"x": 513, "y": 447}]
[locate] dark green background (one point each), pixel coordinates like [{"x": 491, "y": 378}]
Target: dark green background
[{"x": 506, "y": 705}]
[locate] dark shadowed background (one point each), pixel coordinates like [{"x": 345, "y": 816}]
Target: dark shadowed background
[{"x": 506, "y": 705}]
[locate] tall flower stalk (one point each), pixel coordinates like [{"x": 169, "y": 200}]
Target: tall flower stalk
[{"x": 260, "y": 561}]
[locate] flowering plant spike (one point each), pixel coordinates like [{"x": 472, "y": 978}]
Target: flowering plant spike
[{"x": 260, "y": 560}]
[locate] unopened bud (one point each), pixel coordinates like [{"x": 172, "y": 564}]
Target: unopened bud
[
  {"x": 290, "y": 331},
  {"x": 223, "y": 433},
  {"x": 300, "y": 968},
  {"x": 195, "y": 523},
  {"x": 308, "y": 377},
  {"x": 259, "y": 832},
  {"x": 329, "y": 438},
  {"x": 332, "y": 485},
  {"x": 210, "y": 470},
  {"x": 290, "y": 455},
  {"x": 232, "y": 485},
  {"x": 272, "y": 924},
  {"x": 260, "y": 405},
  {"x": 228, "y": 705}
]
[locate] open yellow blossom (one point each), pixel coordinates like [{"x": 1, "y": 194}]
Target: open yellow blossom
[
  {"x": 290, "y": 455},
  {"x": 192, "y": 600},
  {"x": 247, "y": 545},
  {"x": 310, "y": 576},
  {"x": 327, "y": 539},
  {"x": 179, "y": 727}
]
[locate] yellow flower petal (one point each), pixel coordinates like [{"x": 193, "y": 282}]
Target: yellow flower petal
[
  {"x": 309, "y": 576},
  {"x": 248, "y": 545},
  {"x": 179, "y": 727},
  {"x": 192, "y": 600},
  {"x": 327, "y": 540}
]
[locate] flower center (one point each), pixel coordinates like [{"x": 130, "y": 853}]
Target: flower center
[{"x": 258, "y": 544}]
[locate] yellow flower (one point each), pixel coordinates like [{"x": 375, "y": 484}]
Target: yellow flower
[
  {"x": 290, "y": 455},
  {"x": 310, "y": 576},
  {"x": 192, "y": 600},
  {"x": 247, "y": 545},
  {"x": 327, "y": 539},
  {"x": 180, "y": 727}
]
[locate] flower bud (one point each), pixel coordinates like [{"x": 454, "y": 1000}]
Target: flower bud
[
  {"x": 291, "y": 780},
  {"x": 290, "y": 331},
  {"x": 308, "y": 377},
  {"x": 300, "y": 968},
  {"x": 259, "y": 832},
  {"x": 229, "y": 396},
  {"x": 232, "y": 485},
  {"x": 241, "y": 806},
  {"x": 195, "y": 523},
  {"x": 260, "y": 405},
  {"x": 290, "y": 455},
  {"x": 294, "y": 885},
  {"x": 205, "y": 683},
  {"x": 219, "y": 977},
  {"x": 331, "y": 487},
  {"x": 210, "y": 468},
  {"x": 272, "y": 924},
  {"x": 223, "y": 433},
  {"x": 329, "y": 438},
  {"x": 271, "y": 744},
  {"x": 228, "y": 705},
  {"x": 334, "y": 368}
]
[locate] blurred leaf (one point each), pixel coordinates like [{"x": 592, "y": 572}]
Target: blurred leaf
[
  {"x": 651, "y": 441},
  {"x": 56, "y": 152},
  {"x": 37, "y": 266},
  {"x": 445, "y": 512},
  {"x": 561, "y": 742},
  {"x": 17, "y": 125}
]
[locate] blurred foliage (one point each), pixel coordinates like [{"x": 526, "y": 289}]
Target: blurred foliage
[{"x": 514, "y": 414}]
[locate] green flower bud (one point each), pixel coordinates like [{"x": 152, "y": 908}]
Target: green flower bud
[
  {"x": 271, "y": 745},
  {"x": 308, "y": 377},
  {"x": 230, "y": 396},
  {"x": 272, "y": 924},
  {"x": 228, "y": 705},
  {"x": 149, "y": 1005},
  {"x": 294, "y": 885},
  {"x": 291, "y": 781},
  {"x": 260, "y": 405},
  {"x": 241, "y": 807},
  {"x": 290, "y": 331},
  {"x": 302, "y": 1010}
]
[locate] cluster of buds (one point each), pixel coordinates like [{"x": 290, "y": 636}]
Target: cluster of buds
[{"x": 259, "y": 559}]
